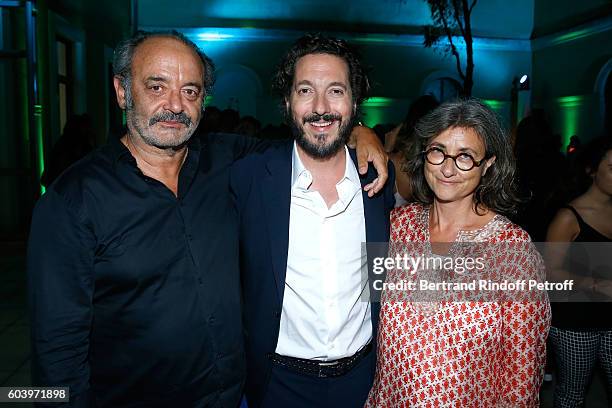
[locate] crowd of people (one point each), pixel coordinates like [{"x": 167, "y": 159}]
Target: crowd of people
[{"x": 177, "y": 267}]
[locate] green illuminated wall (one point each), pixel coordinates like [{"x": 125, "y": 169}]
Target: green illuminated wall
[
  {"x": 564, "y": 82},
  {"x": 382, "y": 110},
  {"x": 501, "y": 109},
  {"x": 569, "y": 112}
]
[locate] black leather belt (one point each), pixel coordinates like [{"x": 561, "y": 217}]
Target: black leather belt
[{"x": 322, "y": 369}]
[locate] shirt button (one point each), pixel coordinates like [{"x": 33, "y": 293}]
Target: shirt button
[
  {"x": 189, "y": 237},
  {"x": 200, "y": 281},
  {"x": 211, "y": 320}
]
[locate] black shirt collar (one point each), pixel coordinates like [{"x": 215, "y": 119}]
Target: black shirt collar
[{"x": 119, "y": 152}]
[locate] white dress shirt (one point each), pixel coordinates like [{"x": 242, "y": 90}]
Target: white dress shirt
[{"x": 326, "y": 308}]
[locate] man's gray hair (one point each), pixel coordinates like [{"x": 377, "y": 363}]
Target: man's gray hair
[{"x": 124, "y": 54}]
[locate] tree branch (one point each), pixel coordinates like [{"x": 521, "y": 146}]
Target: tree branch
[
  {"x": 472, "y": 6},
  {"x": 449, "y": 36},
  {"x": 447, "y": 29},
  {"x": 458, "y": 62},
  {"x": 458, "y": 17},
  {"x": 467, "y": 35}
]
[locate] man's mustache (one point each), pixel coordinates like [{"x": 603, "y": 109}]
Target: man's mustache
[
  {"x": 171, "y": 117},
  {"x": 327, "y": 117}
]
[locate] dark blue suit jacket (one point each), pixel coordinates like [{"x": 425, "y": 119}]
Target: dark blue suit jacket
[{"x": 261, "y": 186}]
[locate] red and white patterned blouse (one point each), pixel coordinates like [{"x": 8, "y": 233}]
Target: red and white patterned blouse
[{"x": 461, "y": 354}]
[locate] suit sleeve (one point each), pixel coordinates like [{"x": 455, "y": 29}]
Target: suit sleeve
[
  {"x": 60, "y": 285},
  {"x": 389, "y": 187}
]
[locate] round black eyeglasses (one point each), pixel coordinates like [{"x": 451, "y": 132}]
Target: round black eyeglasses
[{"x": 463, "y": 161}]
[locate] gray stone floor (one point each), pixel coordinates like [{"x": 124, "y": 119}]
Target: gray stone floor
[{"x": 14, "y": 333}]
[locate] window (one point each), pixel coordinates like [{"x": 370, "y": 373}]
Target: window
[{"x": 64, "y": 80}]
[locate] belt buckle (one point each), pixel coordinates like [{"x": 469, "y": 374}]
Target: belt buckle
[{"x": 323, "y": 365}]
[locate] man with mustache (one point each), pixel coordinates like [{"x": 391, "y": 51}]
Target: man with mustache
[
  {"x": 310, "y": 327},
  {"x": 132, "y": 261}
]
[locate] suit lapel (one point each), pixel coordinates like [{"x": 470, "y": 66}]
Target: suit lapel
[{"x": 276, "y": 189}]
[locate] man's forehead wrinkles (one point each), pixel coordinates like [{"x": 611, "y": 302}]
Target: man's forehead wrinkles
[{"x": 160, "y": 78}]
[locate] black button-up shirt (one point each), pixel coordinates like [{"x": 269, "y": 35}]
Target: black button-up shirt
[{"x": 134, "y": 292}]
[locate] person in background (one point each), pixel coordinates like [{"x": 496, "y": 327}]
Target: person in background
[
  {"x": 398, "y": 143},
  {"x": 209, "y": 122},
  {"x": 248, "y": 126},
  {"x": 581, "y": 332},
  {"x": 76, "y": 142},
  {"x": 542, "y": 173},
  {"x": 228, "y": 120}
]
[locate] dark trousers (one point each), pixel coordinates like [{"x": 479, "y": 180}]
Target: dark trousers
[{"x": 288, "y": 388}]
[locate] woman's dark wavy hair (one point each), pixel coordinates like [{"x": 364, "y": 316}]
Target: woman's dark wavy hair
[
  {"x": 317, "y": 43},
  {"x": 497, "y": 190}
]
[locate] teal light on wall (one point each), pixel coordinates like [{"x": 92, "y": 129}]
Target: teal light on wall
[
  {"x": 417, "y": 12},
  {"x": 570, "y": 111},
  {"x": 211, "y": 35},
  {"x": 249, "y": 33},
  {"x": 214, "y": 36}
]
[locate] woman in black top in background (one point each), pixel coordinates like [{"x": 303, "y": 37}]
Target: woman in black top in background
[{"x": 581, "y": 333}]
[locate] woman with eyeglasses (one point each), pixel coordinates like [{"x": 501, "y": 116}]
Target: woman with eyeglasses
[{"x": 460, "y": 348}]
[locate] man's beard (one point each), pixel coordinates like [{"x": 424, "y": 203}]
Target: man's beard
[
  {"x": 319, "y": 149},
  {"x": 143, "y": 128}
]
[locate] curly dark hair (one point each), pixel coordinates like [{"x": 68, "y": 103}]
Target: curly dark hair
[
  {"x": 124, "y": 54},
  {"x": 497, "y": 190},
  {"x": 317, "y": 43}
]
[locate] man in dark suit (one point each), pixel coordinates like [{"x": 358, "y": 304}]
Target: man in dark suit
[{"x": 310, "y": 326}]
